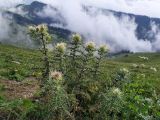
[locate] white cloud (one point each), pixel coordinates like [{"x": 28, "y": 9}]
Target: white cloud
[
  {"x": 4, "y": 23},
  {"x": 141, "y": 7},
  {"x": 155, "y": 31},
  {"x": 5, "y": 4},
  {"x": 119, "y": 33}
]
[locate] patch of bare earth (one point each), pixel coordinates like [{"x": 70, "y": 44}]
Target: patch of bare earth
[{"x": 25, "y": 89}]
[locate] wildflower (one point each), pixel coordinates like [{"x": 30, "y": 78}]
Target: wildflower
[
  {"x": 76, "y": 38},
  {"x": 154, "y": 69},
  {"x": 15, "y": 70},
  {"x": 143, "y": 75},
  {"x": 61, "y": 47},
  {"x": 90, "y": 46},
  {"x": 56, "y": 75},
  {"x": 41, "y": 28},
  {"x": 135, "y": 65},
  {"x": 149, "y": 100},
  {"x": 124, "y": 70},
  {"x": 144, "y": 58},
  {"x": 16, "y": 62},
  {"x": 116, "y": 91},
  {"x": 103, "y": 49},
  {"x": 142, "y": 65}
]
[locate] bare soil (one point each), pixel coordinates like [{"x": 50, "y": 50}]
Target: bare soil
[{"x": 15, "y": 90}]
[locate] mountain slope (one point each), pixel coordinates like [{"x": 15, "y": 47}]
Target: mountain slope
[
  {"x": 143, "y": 23},
  {"x": 32, "y": 18}
]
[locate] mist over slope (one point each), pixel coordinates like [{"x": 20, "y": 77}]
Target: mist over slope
[{"x": 121, "y": 31}]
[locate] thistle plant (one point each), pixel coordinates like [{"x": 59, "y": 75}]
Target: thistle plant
[
  {"x": 90, "y": 47},
  {"x": 87, "y": 56},
  {"x": 102, "y": 52},
  {"x": 57, "y": 98},
  {"x": 40, "y": 34},
  {"x": 73, "y": 57},
  {"x": 111, "y": 104},
  {"x": 60, "y": 50},
  {"x": 75, "y": 45}
]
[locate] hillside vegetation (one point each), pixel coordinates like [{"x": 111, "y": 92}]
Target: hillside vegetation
[
  {"x": 25, "y": 60},
  {"x": 71, "y": 82}
]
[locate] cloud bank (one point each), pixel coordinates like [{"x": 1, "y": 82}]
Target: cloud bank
[
  {"x": 12, "y": 33},
  {"x": 139, "y": 7},
  {"x": 96, "y": 26}
]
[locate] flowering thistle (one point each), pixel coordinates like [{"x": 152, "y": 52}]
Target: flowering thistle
[
  {"x": 41, "y": 35},
  {"x": 116, "y": 91},
  {"x": 103, "y": 49},
  {"x": 42, "y": 28},
  {"x": 61, "y": 47},
  {"x": 76, "y": 38},
  {"x": 154, "y": 69},
  {"x": 90, "y": 46},
  {"x": 56, "y": 75}
]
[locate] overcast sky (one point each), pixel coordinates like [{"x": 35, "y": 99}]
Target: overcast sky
[{"x": 142, "y": 7}]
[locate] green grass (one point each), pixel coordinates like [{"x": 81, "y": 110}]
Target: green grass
[
  {"x": 151, "y": 77},
  {"x": 17, "y": 63}
]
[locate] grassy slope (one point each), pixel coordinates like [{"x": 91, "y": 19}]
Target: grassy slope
[
  {"x": 17, "y": 59},
  {"x": 144, "y": 67},
  {"x": 23, "y": 61}
]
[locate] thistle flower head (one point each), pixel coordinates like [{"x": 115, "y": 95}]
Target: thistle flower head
[
  {"x": 42, "y": 28},
  {"x": 103, "y": 49},
  {"x": 116, "y": 91},
  {"x": 90, "y": 46},
  {"x": 76, "y": 38},
  {"x": 31, "y": 28},
  {"x": 56, "y": 75},
  {"x": 61, "y": 47}
]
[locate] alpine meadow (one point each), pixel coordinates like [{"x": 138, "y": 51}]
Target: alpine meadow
[{"x": 80, "y": 60}]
